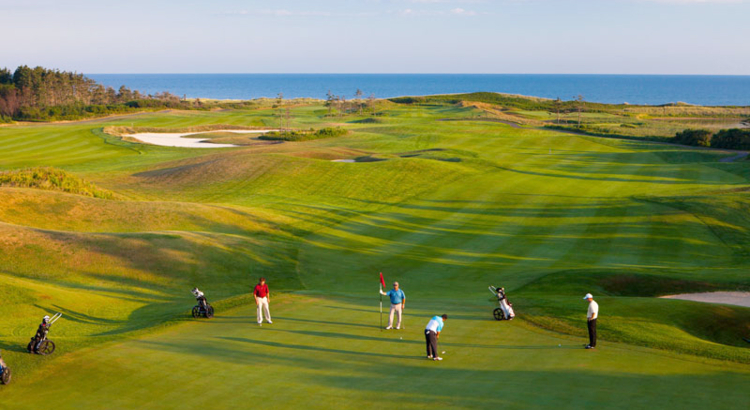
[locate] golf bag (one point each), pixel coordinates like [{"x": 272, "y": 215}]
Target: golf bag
[
  {"x": 505, "y": 311},
  {"x": 203, "y": 309},
  {"x": 4, "y": 372},
  {"x": 39, "y": 344}
]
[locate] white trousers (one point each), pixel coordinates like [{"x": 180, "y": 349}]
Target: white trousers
[
  {"x": 263, "y": 309},
  {"x": 395, "y": 308}
]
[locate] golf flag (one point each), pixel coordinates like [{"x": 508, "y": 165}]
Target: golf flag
[{"x": 382, "y": 285}]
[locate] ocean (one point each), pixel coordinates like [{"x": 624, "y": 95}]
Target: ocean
[{"x": 632, "y": 89}]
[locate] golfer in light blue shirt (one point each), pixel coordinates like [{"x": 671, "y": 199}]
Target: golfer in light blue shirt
[
  {"x": 398, "y": 303},
  {"x": 431, "y": 335}
]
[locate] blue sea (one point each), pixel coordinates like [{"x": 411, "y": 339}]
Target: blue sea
[{"x": 632, "y": 89}]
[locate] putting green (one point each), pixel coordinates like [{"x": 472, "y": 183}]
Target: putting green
[{"x": 329, "y": 352}]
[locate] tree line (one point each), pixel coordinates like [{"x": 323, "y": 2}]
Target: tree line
[{"x": 43, "y": 94}]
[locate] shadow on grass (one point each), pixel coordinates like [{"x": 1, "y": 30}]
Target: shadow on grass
[
  {"x": 14, "y": 347},
  {"x": 74, "y": 316},
  {"x": 325, "y": 322},
  {"x": 373, "y": 310},
  {"x": 420, "y": 343},
  {"x": 345, "y": 336},
  {"x": 316, "y": 349}
]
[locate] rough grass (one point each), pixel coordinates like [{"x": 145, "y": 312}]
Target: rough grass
[
  {"x": 49, "y": 178},
  {"x": 304, "y": 135}
]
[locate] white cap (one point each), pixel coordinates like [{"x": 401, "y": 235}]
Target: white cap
[{"x": 588, "y": 296}]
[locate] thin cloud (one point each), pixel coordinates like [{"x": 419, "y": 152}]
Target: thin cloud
[
  {"x": 293, "y": 13},
  {"x": 453, "y": 12},
  {"x": 461, "y": 12}
]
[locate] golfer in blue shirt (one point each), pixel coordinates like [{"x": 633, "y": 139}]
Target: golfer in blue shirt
[
  {"x": 431, "y": 335},
  {"x": 398, "y": 303}
]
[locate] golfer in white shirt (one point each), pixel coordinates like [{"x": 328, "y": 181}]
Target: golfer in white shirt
[{"x": 591, "y": 317}]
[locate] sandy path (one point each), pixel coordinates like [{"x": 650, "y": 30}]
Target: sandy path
[
  {"x": 726, "y": 298},
  {"x": 173, "y": 139},
  {"x": 738, "y": 157}
]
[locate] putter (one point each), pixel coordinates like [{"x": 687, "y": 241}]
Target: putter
[{"x": 746, "y": 339}]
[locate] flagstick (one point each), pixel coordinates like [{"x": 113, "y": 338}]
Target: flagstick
[{"x": 381, "y": 309}]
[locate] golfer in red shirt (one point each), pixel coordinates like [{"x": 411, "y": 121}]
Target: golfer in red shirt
[{"x": 262, "y": 297}]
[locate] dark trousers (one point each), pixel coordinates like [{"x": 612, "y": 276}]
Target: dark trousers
[
  {"x": 431, "y": 339},
  {"x": 592, "y": 332}
]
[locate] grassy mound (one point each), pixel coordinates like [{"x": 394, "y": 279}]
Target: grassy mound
[
  {"x": 52, "y": 179},
  {"x": 125, "y": 130},
  {"x": 243, "y": 175},
  {"x": 626, "y": 283},
  {"x": 725, "y": 213}
]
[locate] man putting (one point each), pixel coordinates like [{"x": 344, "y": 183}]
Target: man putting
[
  {"x": 432, "y": 334},
  {"x": 262, "y": 297},
  {"x": 398, "y": 303},
  {"x": 591, "y": 317}
]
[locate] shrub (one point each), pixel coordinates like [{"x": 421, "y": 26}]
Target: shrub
[
  {"x": 698, "y": 138},
  {"x": 411, "y": 100},
  {"x": 732, "y": 139}
]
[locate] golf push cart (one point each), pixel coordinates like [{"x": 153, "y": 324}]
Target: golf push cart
[
  {"x": 39, "y": 344},
  {"x": 4, "y": 371},
  {"x": 505, "y": 311},
  {"x": 203, "y": 308}
]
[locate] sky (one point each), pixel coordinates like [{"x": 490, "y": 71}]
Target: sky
[{"x": 378, "y": 36}]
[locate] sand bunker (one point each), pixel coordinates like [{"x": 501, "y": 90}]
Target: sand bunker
[
  {"x": 170, "y": 139},
  {"x": 343, "y": 160},
  {"x": 726, "y": 298}
]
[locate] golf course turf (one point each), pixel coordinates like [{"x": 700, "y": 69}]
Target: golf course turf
[{"x": 444, "y": 207}]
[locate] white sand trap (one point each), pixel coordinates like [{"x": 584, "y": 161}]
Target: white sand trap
[
  {"x": 172, "y": 139},
  {"x": 343, "y": 160},
  {"x": 726, "y": 298}
]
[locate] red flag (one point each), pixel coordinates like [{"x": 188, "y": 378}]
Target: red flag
[{"x": 382, "y": 281}]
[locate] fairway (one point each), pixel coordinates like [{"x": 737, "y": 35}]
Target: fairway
[{"x": 444, "y": 207}]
